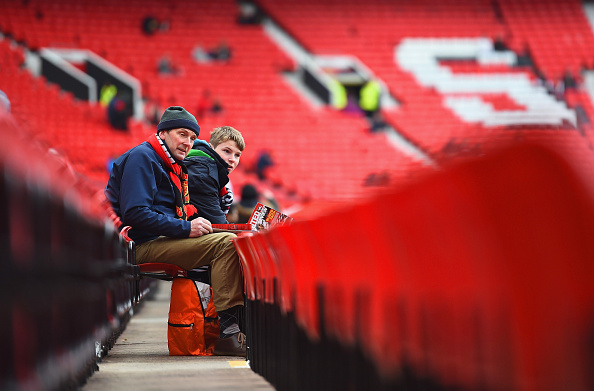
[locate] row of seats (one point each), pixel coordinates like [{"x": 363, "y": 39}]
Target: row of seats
[
  {"x": 65, "y": 287},
  {"x": 38, "y": 105},
  {"x": 54, "y": 119},
  {"x": 568, "y": 30},
  {"x": 557, "y": 34},
  {"x": 476, "y": 277},
  {"x": 249, "y": 100},
  {"x": 256, "y": 99}
]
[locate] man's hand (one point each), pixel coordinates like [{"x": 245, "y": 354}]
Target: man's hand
[{"x": 200, "y": 226}]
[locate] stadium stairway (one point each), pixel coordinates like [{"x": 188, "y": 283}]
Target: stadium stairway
[{"x": 139, "y": 358}]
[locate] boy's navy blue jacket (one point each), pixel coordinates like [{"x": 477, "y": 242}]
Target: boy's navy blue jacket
[
  {"x": 207, "y": 175},
  {"x": 141, "y": 194}
]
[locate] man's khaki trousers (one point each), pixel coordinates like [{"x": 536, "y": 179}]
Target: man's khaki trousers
[{"x": 215, "y": 250}]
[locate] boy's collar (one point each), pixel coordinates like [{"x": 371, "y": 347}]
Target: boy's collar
[
  {"x": 198, "y": 142},
  {"x": 197, "y": 152}
]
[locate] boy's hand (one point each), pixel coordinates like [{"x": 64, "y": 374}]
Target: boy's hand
[{"x": 200, "y": 226}]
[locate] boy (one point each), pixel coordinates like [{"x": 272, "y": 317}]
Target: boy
[{"x": 209, "y": 165}]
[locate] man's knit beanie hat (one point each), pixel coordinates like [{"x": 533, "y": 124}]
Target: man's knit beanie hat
[{"x": 177, "y": 117}]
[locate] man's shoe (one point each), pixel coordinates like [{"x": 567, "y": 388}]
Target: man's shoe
[{"x": 233, "y": 345}]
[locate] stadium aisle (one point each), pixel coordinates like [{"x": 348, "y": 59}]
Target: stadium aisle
[{"x": 140, "y": 359}]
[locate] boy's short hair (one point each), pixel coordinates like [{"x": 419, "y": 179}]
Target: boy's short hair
[{"x": 225, "y": 133}]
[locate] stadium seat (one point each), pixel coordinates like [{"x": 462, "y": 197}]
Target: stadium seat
[
  {"x": 247, "y": 264},
  {"x": 157, "y": 270}
]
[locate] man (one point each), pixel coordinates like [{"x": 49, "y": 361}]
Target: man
[
  {"x": 209, "y": 165},
  {"x": 148, "y": 190}
]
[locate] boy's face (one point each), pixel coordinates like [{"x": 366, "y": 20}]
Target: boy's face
[{"x": 230, "y": 154}]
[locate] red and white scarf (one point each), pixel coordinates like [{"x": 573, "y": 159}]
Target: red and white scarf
[{"x": 178, "y": 174}]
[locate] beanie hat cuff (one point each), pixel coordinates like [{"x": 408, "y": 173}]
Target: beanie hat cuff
[{"x": 178, "y": 123}]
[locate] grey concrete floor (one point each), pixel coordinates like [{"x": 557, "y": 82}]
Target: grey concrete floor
[{"x": 140, "y": 360}]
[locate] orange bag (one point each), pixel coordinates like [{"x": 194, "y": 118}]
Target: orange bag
[{"x": 192, "y": 329}]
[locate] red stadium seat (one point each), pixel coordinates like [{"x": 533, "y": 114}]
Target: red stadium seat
[
  {"x": 247, "y": 263},
  {"x": 157, "y": 270}
]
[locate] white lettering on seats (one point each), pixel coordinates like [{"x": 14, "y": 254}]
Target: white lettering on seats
[{"x": 421, "y": 56}]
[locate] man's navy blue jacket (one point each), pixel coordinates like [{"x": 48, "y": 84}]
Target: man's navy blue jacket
[{"x": 141, "y": 193}]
